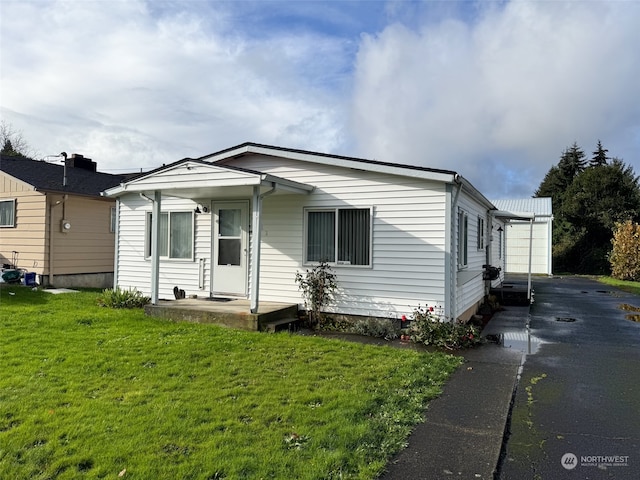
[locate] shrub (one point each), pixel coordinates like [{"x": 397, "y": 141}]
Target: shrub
[
  {"x": 427, "y": 329},
  {"x": 318, "y": 286},
  {"x": 118, "y": 298},
  {"x": 625, "y": 256},
  {"x": 370, "y": 327}
]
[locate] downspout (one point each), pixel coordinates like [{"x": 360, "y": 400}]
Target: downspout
[
  {"x": 452, "y": 269},
  {"x": 51, "y": 232},
  {"x": 256, "y": 227}
]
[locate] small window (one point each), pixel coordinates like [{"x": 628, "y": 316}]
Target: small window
[
  {"x": 112, "y": 226},
  {"x": 176, "y": 235},
  {"x": 339, "y": 235},
  {"x": 480, "y": 241},
  {"x": 8, "y": 213},
  {"x": 463, "y": 239}
]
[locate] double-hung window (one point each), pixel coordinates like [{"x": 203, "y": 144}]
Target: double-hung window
[
  {"x": 341, "y": 236},
  {"x": 176, "y": 235},
  {"x": 463, "y": 239},
  {"x": 8, "y": 213}
]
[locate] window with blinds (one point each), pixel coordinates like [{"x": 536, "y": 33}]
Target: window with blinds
[{"x": 339, "y": 235}]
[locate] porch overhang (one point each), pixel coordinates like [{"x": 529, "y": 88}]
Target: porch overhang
[{"x": 196, "y": 179}]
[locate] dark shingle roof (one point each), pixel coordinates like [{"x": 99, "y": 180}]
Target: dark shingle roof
[{"x": 47, "y": 177}]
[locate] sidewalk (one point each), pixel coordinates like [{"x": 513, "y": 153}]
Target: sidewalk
[{"x": 464, "y": 427}]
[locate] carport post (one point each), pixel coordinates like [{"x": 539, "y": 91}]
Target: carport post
[{"x": 530, "y": 250}]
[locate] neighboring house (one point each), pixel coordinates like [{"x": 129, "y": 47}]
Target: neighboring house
[
  {"x": 55, "y": 223},
  {"x": 524, "y": 235},
  {"x": 243, "y": 221}
]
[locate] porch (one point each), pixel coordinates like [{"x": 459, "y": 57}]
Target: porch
[{"x": 270, "y": 316}]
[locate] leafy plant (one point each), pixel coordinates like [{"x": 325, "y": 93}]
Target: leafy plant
[
  {"x": 625, "y": 257},
  {"x": 428, "y": 329},
  {"x": 119, "y": 298},
  {"x": 318, "y": 286}
]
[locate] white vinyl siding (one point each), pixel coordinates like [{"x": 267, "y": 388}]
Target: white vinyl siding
[
  {"x": 134, "y": 269},
  {"x": 469, "y": 283},
  {"x": 517, "y": 241},
  {"x": 407, "y": 244}
]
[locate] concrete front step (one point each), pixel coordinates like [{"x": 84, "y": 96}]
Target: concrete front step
[{"x": 234, "y": 314}]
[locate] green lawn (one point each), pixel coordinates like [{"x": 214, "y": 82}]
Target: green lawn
[
  {"x": 627, "y": 286},
  {"x": 91, "y": 392}
]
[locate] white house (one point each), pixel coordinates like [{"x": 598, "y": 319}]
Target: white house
[
  {"x": 524, "y": 235},
  {"x": 243, "y": 221}
]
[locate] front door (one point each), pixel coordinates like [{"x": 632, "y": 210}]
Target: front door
[{"x": 229, "y": 248}]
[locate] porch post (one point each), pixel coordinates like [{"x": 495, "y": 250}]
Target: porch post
[
  {"x": 155, "y": 254},
  {"x": 256, "y": 208}
]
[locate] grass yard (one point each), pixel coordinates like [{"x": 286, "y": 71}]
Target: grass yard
[
  {"x": 627, "y": 286},
  {"x": 91, "y": 392}
]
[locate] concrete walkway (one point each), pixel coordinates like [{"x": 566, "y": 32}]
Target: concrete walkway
[{"x": 463, "y": 432}]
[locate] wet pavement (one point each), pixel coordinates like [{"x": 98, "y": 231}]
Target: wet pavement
[{"x": 576, "y": 411}]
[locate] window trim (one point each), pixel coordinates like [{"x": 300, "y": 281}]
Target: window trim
[
  {"x": 147, "y": 236},
  {"x": 335, "y": 210},
  {"x": 463, "y": 239},
  {"x": 13, "y": 212}
]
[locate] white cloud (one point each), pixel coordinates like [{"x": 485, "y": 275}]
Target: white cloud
[
  {"x": 115, "y": 81},
  {"x": 498, "y": 99},
  {"x": 495, "y": 91}
]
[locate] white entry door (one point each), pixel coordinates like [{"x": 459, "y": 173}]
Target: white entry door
[{"x": 229, "y": 248}]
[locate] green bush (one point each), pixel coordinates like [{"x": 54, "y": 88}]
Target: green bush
[
  {"x": 318, "y": 286},
  {"x": 370, "y": 327},
  {"x": 118, "y": 298},
  {"x": 427, "y": 329},
  {"x": 625, "y": 256}
]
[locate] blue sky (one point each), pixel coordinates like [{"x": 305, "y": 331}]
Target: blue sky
[{"x": 493, "y": 90}]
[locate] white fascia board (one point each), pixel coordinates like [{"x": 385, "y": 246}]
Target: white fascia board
[
  {"x": 287, "y": 185},
  {"x": 504, "y": 215},
  {"x": 335, "y": 161}
]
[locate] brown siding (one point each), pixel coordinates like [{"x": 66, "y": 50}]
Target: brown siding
[
  {"x": 88, "y": 246},
  {"x": 27, "y": 238}
]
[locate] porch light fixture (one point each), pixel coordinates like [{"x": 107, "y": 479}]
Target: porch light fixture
[{"x": 201, "y": 209}]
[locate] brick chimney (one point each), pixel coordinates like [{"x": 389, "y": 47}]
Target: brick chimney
[{"x": 78, "y": 161}]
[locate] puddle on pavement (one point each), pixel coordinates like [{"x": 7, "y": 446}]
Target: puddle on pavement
[
  {"x": 521, "y": 341},
  {"x": 635, "y": 317}
]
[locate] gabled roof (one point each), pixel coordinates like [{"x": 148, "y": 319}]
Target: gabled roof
[
  {"x": 248, "y": 148},
  {"x": 48, "y": 177},
  {"x": 540, "y": 206}
]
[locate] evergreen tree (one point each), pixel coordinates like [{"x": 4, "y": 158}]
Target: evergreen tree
[
  {"x": 599, "y": 156},
  {"x": 572, "y": 162},
  {"x": 594, "y": 203}
]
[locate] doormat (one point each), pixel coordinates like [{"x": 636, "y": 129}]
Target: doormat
[{"x": 219, "y": 299}]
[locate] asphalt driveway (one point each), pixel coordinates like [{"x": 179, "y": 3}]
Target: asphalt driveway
[{"x": 576, "y": 413}]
